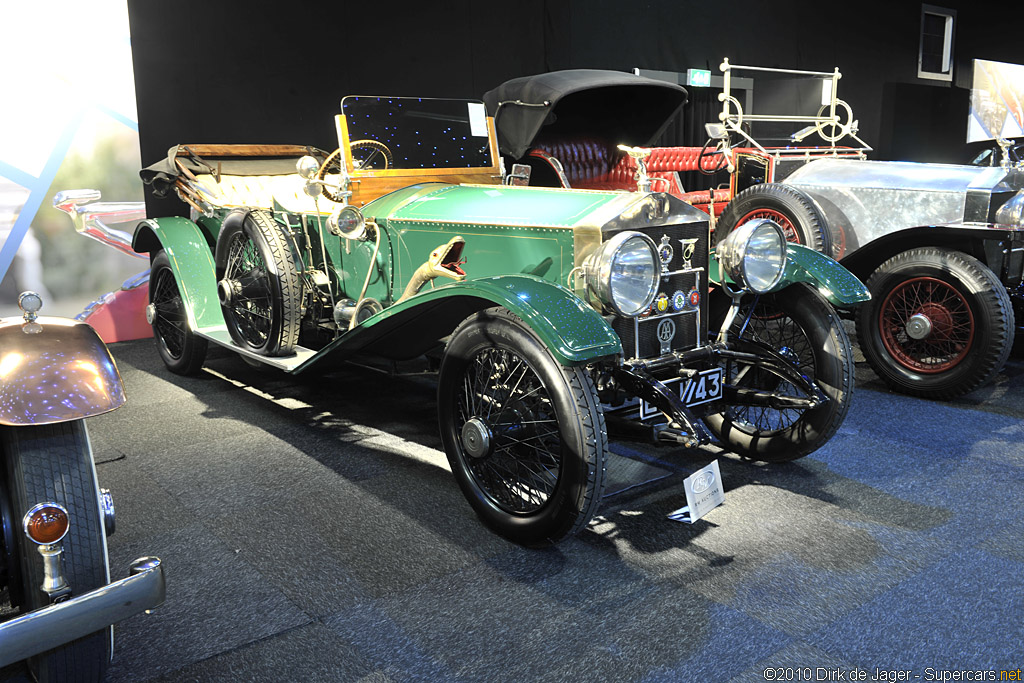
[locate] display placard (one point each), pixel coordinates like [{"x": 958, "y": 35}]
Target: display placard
[{"x": 704, "y": 492}]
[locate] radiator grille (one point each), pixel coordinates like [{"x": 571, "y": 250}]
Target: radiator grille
[{"x": 685, "y": 327}]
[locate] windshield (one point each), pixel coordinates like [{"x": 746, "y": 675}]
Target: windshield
[{"x": 420, "y": 133}]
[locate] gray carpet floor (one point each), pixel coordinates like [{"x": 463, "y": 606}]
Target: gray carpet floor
[{"x": 311, "y": 532}]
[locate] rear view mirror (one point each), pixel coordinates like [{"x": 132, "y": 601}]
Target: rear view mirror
[{"x": 520, "y": 175}]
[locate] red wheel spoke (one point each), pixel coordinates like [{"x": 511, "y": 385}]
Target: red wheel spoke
[{"x": 950, "y": 325}]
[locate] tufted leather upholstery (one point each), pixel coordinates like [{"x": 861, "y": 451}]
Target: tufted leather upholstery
[
  {"x": 584, "y": 160},
  {"x": 593, "y": 164},
  {"x": 261, "y": 191},
  {"x": 677, "y": 159}
]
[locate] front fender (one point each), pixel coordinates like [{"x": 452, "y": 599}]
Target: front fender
[
  {"x": 803, "y": 264},
  {"x": 573, "y": 331},
  {"x": 54, "y": 370},
  {"x": 188, "y": 248}
]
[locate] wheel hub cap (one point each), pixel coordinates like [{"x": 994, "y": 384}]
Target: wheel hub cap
[
  {"x": 226, "y": 289},
  {"x": 150, "y": 313},
  {"x": 918, "y": 326},
  {"x": 476, "y": 438},
  {"x": 790, "y": 355}
]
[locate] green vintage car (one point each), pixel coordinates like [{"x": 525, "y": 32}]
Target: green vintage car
[{"x": 555, "y": 314}]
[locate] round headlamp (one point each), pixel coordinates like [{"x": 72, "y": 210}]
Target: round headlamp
[
  {"x": 754, "y": 255},
  {"x": 624, "y": 272},
  {"x": 348, "y": 222},
  {"x": 307, "y": 167}
]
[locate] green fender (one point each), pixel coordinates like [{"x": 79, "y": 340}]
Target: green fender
[
  {"x": 803, "y": 264},
  {"x": 188, "y": 248},
  {"x": 573, "y": 331}
]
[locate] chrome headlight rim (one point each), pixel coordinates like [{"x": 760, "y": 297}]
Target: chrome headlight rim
[
  {"x": 348, "y": 221},
  {"x": 598, "y": 272},
  {"x": 733, "y": 252}
]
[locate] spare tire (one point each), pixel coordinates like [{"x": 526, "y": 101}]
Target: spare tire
[
  {"x": 258, "y": 283},
  {"x": 796, "y": 213}
]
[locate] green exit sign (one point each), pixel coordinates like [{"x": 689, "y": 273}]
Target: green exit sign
[{"x": 698, "y": 78}]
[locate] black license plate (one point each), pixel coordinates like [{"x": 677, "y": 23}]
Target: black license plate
[{"x": 704, "y": 387}]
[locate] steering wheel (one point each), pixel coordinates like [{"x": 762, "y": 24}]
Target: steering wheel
[
  {"x": 705, "y": 154},
  {"x": 371, "y": 155},
  {"x": 837, "y": 130}
]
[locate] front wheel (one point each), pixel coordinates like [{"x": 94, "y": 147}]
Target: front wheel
[
  {"x": 939, "y": 323},
  {"x": 53, "y": 463},
  {"x": 181, "y": 350},
  {"x": 800, "y": 325},
  {"x": 525, "y": 435}
]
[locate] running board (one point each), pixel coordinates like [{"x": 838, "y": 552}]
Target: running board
[{"x": 220, "y": 335}]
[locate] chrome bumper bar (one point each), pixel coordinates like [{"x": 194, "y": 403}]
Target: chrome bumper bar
[{"x": 49, "y": 627}]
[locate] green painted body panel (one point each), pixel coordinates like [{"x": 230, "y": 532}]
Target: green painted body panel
[
  {"x": 836, "y": 283},
  {"x": 507, "y": 229},
  {"x": 493, "y": 204},
  {"x": 803, "y": 264},
  {"x": 573, "y": 331},
  {"x": 192, "y": 262}
]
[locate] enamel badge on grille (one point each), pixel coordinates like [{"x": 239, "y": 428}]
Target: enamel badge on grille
[{"x": 666, "y": 333}]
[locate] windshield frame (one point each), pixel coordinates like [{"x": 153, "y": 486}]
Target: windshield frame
[{"x": 345, "y": 140}]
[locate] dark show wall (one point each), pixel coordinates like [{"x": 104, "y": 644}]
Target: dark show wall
[{"x": 260, "y": 71}]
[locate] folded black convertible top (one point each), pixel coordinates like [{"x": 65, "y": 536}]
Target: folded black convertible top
[{"x": 626, "y": 108}]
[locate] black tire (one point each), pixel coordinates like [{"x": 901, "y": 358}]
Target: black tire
[
  {"x": 531, "y": 495},
  {"x": 53, "y": 463},
  {"x": 969, "y": 330},
  {"x": 262, "y": 305},
  {"x": 799, "y": 323},
  {"x": 801, "y": 220},
  {"x": 180, "y": 349}
]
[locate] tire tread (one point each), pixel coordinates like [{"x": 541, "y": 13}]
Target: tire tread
[
  {"x": 54, "y": 463},
  {"x": 984, "y": 284},
  {"x": 786, "y": 197},
  {"x": 592, "y": 434}
]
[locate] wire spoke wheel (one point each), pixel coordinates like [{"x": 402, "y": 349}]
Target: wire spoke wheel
[
  {"x": 789, "y": 231},
  {"x": 926, "y": 325},
  {"x": 779, "y": 331},
  {"x": 258, "y": 283},
  {"x": 799, "y": 325},
  {"x": 503, "y": 394},
  {"x": 525, "y": 435},
  {"x": 251, "y": 305},
  {"x": 169, "y": 324},
  {"x": 939, "y": 323},
  {"x": 796, "y": 213}
]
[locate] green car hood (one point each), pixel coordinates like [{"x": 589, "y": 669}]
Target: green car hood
[{"x": 500, "y": 205}]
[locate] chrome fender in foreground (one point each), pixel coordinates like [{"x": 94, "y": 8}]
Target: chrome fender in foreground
[
  {"x": 44, "y": 629},
  {"x": 54, "y": 370}
]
